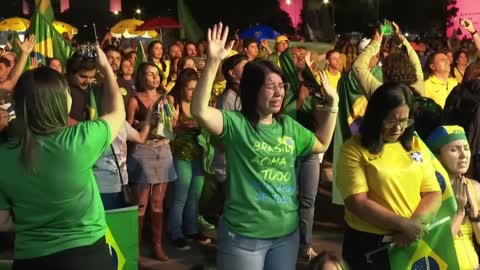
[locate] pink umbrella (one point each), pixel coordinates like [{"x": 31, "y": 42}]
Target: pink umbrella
[{"x": 159, "y": 23}]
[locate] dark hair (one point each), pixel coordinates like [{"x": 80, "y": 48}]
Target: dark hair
[
  {"x": 185, "y": 46},
  {"x": 139, "y": 77},
  {"x": 456, "y": 55},
  {"x": 330, "y": 52},
  {"x": 4, "y": 61},
  {"x": 430, "y": 59},
  {"x": 427, "y": 115},
  {"x": 150, "y": 54},
  {"x": 248, "y": 41},
  {"x": 40, "y": 103},
  {"x": 461, "y": 105},
  {"x": 120, "y": 72},
  {"x": 254, "y": 75},
  {"x": 183, "y": 79},
  {"x": 386, "y": 98},
  {"x": 399, "y": 69},
  {"x": 182, "y": 62},
  {"x": 78, "y": 63},
  {"x": 472, "y": 72},
  {"x": 113, "y": 48},
  {"x": 229, "y": 64},
  {"x": 49, "y": 60}
]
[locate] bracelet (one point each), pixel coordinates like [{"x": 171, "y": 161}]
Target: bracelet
[
  {"x": 325, "y": 108},
  {"x": 474, "y": 33},
  {"x": 474, "y": 219}
]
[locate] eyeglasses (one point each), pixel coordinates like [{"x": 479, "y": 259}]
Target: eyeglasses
[
  {"x": 281, "y": 86},
  {"x": 403, "y": 123}
]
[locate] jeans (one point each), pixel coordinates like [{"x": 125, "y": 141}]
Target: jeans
[
  {"x": 112, "y": 200},
  {"x": 184, "y": 208},
  {"x": 235, "y": 252},
  {"x": 308, "y": 176}
]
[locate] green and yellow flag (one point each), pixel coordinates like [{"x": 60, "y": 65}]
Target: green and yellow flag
[
  {"x": 190, "y": 29},
  {"x": 434, "y": 251},
  {"x": 351, "y": 108},
  {"x": 122, "y": 237},
  {"x": 49, "y": 43},
  {"x": 141, "y": 58}
]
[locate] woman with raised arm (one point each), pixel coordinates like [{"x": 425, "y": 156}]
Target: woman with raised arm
[
  {"x": 259, "y": 228},
  {"x": 54, "y": 205}
]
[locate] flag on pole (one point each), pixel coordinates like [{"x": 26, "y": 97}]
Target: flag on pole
[
  {"x": 122, "y": 237},
  {"x": 435, "y": 250},
  {"x": 45, "y": 8},
  {"x": 48, "y": 43},
  {"x": 190, "y": 29},
  {"x": 141, "y": 58}
]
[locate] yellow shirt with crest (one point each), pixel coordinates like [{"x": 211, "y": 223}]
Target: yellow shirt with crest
[{"x": 393, "y": 178}]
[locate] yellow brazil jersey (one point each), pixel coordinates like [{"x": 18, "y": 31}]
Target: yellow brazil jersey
[
  {"x": 439, "y": 90},
  {"x": 393, "y": 178},
  {"x": 334, "y": 78}
]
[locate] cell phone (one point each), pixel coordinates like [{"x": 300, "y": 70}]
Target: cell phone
[
  {"x": 386, "y": 28},
  {"x": 464, "y": 23}
]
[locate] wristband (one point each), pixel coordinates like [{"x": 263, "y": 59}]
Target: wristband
[
  {"x": 474, "y": 219},
  {"x": 325, "y": 108}
]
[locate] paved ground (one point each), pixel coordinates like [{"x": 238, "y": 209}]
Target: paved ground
[
  {"x": 328, "y": 235},
  {"x": 203, "y": 257}
]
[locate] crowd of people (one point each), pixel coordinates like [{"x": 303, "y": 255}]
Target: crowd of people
[{"x": 259, "y": 121}]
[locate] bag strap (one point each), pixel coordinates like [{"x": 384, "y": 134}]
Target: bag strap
[{"x": 118, "y": 165}]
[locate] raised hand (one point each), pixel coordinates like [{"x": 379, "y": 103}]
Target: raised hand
[
  {"x": 217, "y": 39},
  {"x": 27, "y": 45},
  {"x": 102, "y": 60},
  {"x": 330, "y": 93},
  {"x": 467, "y": 25},
  {"x": 309, "y": 60}
]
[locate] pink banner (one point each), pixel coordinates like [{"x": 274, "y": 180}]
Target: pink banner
[
  {"x": 64, "y": 5},
  {"x": 293, "y": 8},
  {"x": 25, "y": 7},
  {"x": 115, "y": 5},
  {"x": 467, "y": 9}
]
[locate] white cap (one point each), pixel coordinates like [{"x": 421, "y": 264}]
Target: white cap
[{"x": 363, "y": 43}]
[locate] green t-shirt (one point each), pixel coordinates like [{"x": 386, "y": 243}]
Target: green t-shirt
[
  {"x": 262, "y": 200},
  {"x": 58, "y": 207}
]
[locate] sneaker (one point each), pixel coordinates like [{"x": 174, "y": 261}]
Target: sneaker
[
  {"x": 200, "y": 238},
  {"x": 205, "y": 224},
  {"x": 181, "y": 244},
  {"x": 310, "y": 254}
]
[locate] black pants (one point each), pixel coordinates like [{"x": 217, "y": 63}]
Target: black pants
[
  {"x": 93, "y": 257},
  {"x": 356, "y": 244}
]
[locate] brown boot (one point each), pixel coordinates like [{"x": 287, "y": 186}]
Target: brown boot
[{"x": 157, "y": 236}]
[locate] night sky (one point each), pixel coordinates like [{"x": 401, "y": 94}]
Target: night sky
[{"x": 350, "y": 15}]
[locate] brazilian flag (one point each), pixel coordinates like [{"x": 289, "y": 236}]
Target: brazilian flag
[
  {"x": 48, "y": 43},
  {"x": 290, "y": 73},
  {"x": 434, "y": 251},
  {"x": 122, "y": 237},
  {"x": 351, "y": 108},
  {"x": 190, "y": 28},
  {"x": 141, "y": 58}
]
